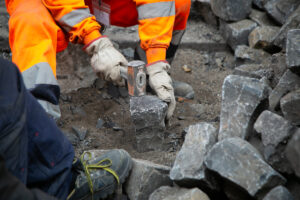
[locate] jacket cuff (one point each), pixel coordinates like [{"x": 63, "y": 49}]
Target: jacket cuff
[
  {"x": 88, "y": 44},
  {"x": 92, "y": 36},
  {"x": 155, "y": 54}
]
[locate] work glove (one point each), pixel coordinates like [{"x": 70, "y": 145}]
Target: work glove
[
  {"x": 106, "y": 60},
  {"x": 161, "y": 83}
]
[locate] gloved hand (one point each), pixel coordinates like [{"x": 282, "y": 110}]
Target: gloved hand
[
  {"x": 161, "y": 83},
  {"x": 106, "y": 60}
]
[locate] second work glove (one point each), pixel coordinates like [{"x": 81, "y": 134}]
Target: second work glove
[
  {"x": 161, "y": 83},
  {"x": 106, "y": 60}
]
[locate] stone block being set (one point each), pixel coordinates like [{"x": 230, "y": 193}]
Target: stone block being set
[
  {"x": 148, "y": 115},
  {"x": 244, "y": 55},
  {"x": 288, "y": 82},
  {"x": 280, "y": 10},
  {"x": 261, "y": 18},
  {"x": 293, "y": 50},
  {"x": 240, "y": 98},
  {"x": 242, "y": 169},
  {"x": 254, "y": 71},
  {"x": 237, "y": 33},
  {"x": 176, "y": 193},
  {"x": 145, "y": 177},
  {"x": 231, "y": 10},
  {"x": 188, "y": 168},
  {"x": 275, "y": 131},
  {"x": 279, "y": 193},
  {"x": 293, "y": 22},
  {"x": 261, "y": 37},
  {"x": 290, "y": 107},
  {"x": 292, "y": 152}
]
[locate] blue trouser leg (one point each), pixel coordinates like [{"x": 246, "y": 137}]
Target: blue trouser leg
[{"x": 35, "y": 150}]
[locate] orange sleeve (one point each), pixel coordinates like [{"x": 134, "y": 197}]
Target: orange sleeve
[
  {"x": 75, "y": 18},
  {"x": 156, "y": 20}
]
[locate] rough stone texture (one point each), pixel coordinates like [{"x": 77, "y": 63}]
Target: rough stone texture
[
  {"x": 293, "y": 50},
  {"x": 148, "y": 114},
  {"x": 275, "y": 131},
  {"x": 280, "y": 10},
  {"x": 188, "y": 167},
  {"x": 241, "y": 167},
  {"x": 288, "y": 82},
  {"x": 73, "y": 69},
  {"x": 146, "y": 177},
  {"x": 292, "y": 152},
  {"x": 278, "y": 65},
  {"x": 204, "y": 10},
  {"x": 254, "y": 71},
  {"x": 259, "y": 3},
  {"x": 261, "y": 18},
  {"x": 293, "y": 22},
  {"x": 231, "y": 10},
  {"x": 244, "y": 54},
  {"x": 241, "y": 97},
  {"x": 237, "y": 33},
  {"x": 279, "y": 193},
  {"x": 261, "y": 37},
  {"x": 3, "y": 28},
  {"x": 290, "y": 107},
  {"x": 175, "y": 193}
]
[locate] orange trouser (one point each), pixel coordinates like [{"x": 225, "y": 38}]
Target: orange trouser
[{"x": 34, "y": 36}]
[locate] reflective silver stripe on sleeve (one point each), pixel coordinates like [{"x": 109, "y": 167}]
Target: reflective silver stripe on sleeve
[
  {"x": 176, "y": 36},
  {"x": 159, "y": 9},
  {"x": 72, "y": 18},
  {"x": 51, "y": 109},
  {"x": 40, "y": 73}
]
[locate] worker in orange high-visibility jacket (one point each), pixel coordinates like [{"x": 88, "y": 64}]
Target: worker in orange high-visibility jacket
[{"x": 38, "y": 29}]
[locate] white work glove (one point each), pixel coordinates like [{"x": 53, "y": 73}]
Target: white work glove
[
  {"x": 106, "y": 60},
  {"x": 161, "y": 83}
]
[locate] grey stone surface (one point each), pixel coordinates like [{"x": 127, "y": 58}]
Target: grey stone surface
[
  {"x": 231, "y": 10},
  {"x": 176, "y": 193},
  {"x": 290, "y": 106},
  {"x": 241, "y": 167},
  {"x": 259, "y": 3},
  {"x": 203, "y": 8},
  {"x": 240, "y": 98},
  {"x": 274, "y": 129},
  {"x": 237, "y": 33},
  {"x": 293, "y": 50},
  {"x": 148, "y": 115},
  {"x": 278, "y": 65},
  {"x": 146, "y": 177},
  {"x": 188, "y": 167},
  {"x": 254, "y": 71},
  {"x": 293, "y": 22},
  {"x": 4, "y": 43},
  {"x": 261, "y": 18},
  {"x": 261, "y": 37},
  {"x": 73, "y": 69},
  {"x": 288, "y": 82},
  {"x": 275, "y": 132},
  {"x": 244, "y": 54},
  {"x": 292, "y": 152},
  {"x": 280, "y": 10},
  {"x": 80, "y": 131},
  {"x": 279, "y": 193}
]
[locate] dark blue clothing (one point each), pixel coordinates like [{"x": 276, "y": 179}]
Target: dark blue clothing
[{"x": 34, "y": 149}]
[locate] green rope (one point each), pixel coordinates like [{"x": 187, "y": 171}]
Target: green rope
[{"x": 98, "y": 165}]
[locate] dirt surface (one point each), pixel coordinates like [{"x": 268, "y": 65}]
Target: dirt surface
[{"x": 84, "y": 107}]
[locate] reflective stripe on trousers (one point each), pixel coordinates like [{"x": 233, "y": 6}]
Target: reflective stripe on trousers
[{"x": 40, "y": 81}]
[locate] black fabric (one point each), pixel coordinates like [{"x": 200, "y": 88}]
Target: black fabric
[
  {"x": 46, "y": 92},
  {"x": 12, "y": 188},
  {"x": 35, "y": 151}
]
